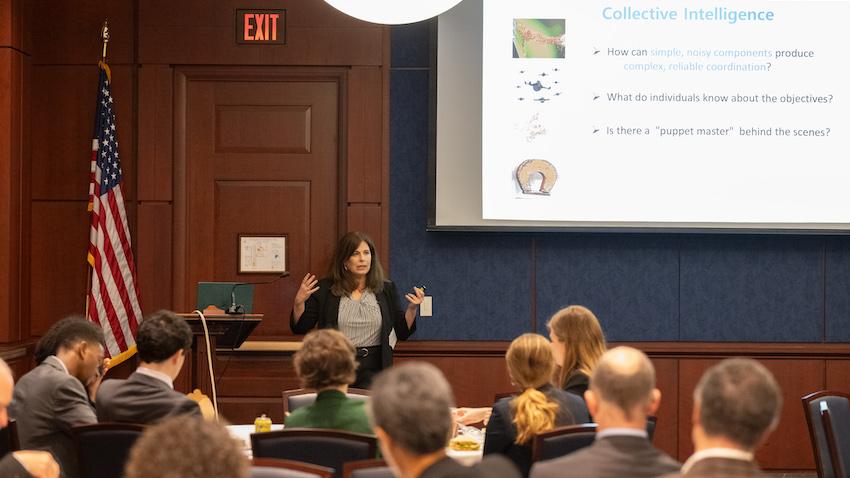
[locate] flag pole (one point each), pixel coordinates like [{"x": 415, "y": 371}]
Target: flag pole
[{"x": 104, "y": 36}]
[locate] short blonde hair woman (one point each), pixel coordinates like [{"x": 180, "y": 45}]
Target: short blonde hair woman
[
  {"x": 539, "y": 406},
  {"x": 577, "y": 343}
]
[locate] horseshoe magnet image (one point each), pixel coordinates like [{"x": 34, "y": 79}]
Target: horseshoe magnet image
[{"x": 526, "y": 170}]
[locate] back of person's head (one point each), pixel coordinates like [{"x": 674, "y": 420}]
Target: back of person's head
[
  {"x": 738, "y": 399},
  {"x": 411, "y": 403},
  {"x": 65, "y": 333},
  {"x": 531, "y": 365},
  {"x": 186, "y": 447},
  {"x": 625, "y": 378},
  {"x": 579, "y": 332},
  {"x": 161, "y": 335},
  {"x": 326, "y": 360}
]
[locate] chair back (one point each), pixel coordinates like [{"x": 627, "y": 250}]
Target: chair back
[
  {"x": 828, "y": 417},
  {"x": 562, "y": 441},
  {"x": 103, "y": 448},
  {"x": 271, "y": 468},
  {"x": 9, "y": 438},
  {"x": 302, "y": 397},
  {"x": 366, "y": 469},
  {"x": 329, "y": 448}
]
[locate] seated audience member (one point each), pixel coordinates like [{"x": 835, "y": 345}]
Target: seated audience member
[
  {"x": 736, "y": 406},
  {"x": 622, "y": 393},
  {"x": 21, "y": 464},
  {"x": 58, "y": 393},
  {"x": 148, "y": 395},
  {"x": 410, "y": 411},
  {"x": 539, "y": 407},
  {"x": 185, "y": 447},
  {"x": 326, "y": 363},
  {"x": 578, "y": 344}
]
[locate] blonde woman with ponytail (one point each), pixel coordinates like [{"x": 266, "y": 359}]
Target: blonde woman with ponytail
[{"x": 539, "y": 407}]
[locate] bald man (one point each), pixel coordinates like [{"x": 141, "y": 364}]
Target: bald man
[
  {"x": 21, "y": 464},
  {"x": 622, "y": 394}
]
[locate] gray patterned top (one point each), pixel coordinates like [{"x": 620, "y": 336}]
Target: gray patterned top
[{"x": 360, "y": 320}]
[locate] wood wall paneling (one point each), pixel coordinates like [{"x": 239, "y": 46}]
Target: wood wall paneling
[
  {"x": 281, "y": 129},
  {"x": 194, "y": 32},
  {"x": 58, "y": 267},
  {"x": 250, "y": 384},
  {"x": 667, "y": 426},
  {"x": 156, "y": 113},
  {"x": 367, "y": 218},
  {"x": 788, "y": 447},
  {"x": 61, "y": 150},
  {"x": 68, "y": 32},
  {"x": 154, "y": 255},
  {"x": 15, "y": 18},
  {"x": 18, "y": 357},
  {"x": 365, "y": 162},
  {"x": 241, "y": 208},
  {"x": 837, "y": 376},
  {"x": 14, "y": 201}
]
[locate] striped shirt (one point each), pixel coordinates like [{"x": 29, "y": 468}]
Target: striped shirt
[{"x": 360, "y": 320}]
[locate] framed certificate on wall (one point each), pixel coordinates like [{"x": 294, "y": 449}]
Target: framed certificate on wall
[{"x": 262, "y": 253}]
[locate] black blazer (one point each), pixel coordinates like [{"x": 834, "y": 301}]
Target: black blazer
[
  {"x": 577, "y": 383},
  {"x": 322, "y": 310},
  {"x": 501, "y": 431}
]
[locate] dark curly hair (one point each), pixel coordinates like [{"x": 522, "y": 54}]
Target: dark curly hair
[
  {"x": 65, "y": 333},
  {"x": 161, "y": 335}
]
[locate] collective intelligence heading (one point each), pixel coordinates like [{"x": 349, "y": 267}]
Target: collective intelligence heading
[{"x": 716, "y": 14}]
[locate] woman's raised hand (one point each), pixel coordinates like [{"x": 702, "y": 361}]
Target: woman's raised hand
[
  {"x": 308, "y": 285},
  {"x": 416, "y": 297}
]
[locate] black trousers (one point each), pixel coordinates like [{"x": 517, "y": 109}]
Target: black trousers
[{"x": 369, "y": 364}]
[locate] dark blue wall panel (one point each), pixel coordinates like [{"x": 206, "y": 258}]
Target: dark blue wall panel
[
  {"x": 480, "y": 282},
  {"x": 754, "y": 288},
  {"x": 410, "y": 46},
  {"x": 630, "y": 282},
  {"x": 837, "y": 276}
]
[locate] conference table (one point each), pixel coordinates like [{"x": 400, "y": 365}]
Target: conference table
[{"x": 242, "y": 433}]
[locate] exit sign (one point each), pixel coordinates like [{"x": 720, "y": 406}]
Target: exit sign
[{"x": 261, "y": 27}]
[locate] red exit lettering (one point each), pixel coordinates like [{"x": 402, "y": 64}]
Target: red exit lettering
[{"x": 260, "y": 26}]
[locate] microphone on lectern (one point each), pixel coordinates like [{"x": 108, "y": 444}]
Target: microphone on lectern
[{"x": 239, "y": 309}]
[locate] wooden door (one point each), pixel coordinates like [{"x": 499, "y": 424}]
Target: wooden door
[{"x": 257, "y": 151}]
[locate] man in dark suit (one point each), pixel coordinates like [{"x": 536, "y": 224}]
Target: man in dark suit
[
  {"x": 148, "y": 395},
  {"x": 736, "y": 406},
  {"x": 58, "y": 393},
  {"x": 21, "y": 464},
  {"x": 410, "y": 412},
  {"x": 622, "y": 393}
]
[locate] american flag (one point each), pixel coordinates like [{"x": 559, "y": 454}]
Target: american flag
[{"x": 113, "y": 300}]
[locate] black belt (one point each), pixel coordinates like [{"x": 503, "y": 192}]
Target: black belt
[{"x": 363, "y": 352}]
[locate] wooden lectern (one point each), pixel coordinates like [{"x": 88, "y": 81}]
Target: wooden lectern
[{"x": 226, "y": 332}]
